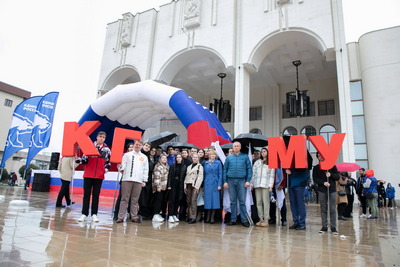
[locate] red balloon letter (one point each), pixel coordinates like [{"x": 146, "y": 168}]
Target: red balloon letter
[
  {"x": 329, "y": 152},
  {"x": 297, "y": 149},
  {"x": 120, "y": 135},
  {"x": 75, "y": 135}
]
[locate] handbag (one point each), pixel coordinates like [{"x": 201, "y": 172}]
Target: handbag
[
  {"x": 342, "y": 192},
  {"x": 369, "y": 196}
]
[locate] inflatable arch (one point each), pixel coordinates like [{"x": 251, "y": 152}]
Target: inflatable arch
[{"x": 139, "y": 105}]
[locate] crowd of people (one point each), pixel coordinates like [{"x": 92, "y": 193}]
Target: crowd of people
[{"x": 192, "y": 184}]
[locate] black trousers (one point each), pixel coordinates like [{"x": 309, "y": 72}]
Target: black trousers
[
  {"x": 363, "y": 202},
  {"x": 91, "y": 187},
  {"x": 160, "y": 202},
  {"x": 64, "y": 192},
  {"x": 173, "y": 201},
  {"x": 349, "y": 208},
  {"x": 272, "y": 208}
]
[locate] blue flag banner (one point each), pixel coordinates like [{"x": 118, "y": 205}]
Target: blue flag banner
[
  {"x": 19, "y": 135},
  {"x": 43, "y": 125}
]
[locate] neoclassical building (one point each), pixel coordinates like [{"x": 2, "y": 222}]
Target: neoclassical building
[{"x": 351, "y": 87}]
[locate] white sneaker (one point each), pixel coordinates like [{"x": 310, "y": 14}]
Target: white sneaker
[
  {"x": 94, "y": 218},
  {"x": 363, "y": 216},
  {"x": 157, "y": 218},
  {"x": 171, "y": 219},
  {"x": 82, "y": 218},
  {"x": 369, "y": 216},
  {"x": 175, "y": 218}
]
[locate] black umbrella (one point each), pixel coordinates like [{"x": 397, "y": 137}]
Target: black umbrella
[
  {"x": 160, "y": 138},
  {"x": 256, "y": 140},
  {"x": 184, "y": 145},
  {"x": 226, "y": 147}
]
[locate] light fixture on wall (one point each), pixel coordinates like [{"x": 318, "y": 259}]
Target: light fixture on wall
[
  {"x": 221, "y": 107},
  {"x": 297, "y": 102}
]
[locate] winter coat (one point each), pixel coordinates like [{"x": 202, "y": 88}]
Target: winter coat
[
  {"x": 135, "y": 166},
  {"x": 370, "y": 183},
  {"x": 237, "y": 167},
  {"x": 160, "y": 176},
  {"x": 390, "y": 192},
  {"x": 172, "y": 181},
  {"x": 66, "y": 168},
  {"x": 212, "y": 179},
  {"x": 263, "y": 177},
  {"x": 319, "y": 177},
  {"x": 341, "y": 185},
  {"x": 96, "y": 165},
  {"x": 194, "y": 176}
]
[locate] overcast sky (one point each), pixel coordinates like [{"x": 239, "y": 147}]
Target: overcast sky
[{"x": 51, "y": 45}]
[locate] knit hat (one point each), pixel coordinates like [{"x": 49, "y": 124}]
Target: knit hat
[{"x": 369, "y": 173}]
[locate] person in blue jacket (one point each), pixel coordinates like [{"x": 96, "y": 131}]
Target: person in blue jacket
[
  {"x": 390, "y": 194},
  {"x": 237, "y": 174},
  {"x": 212, "y": 185},
  {"x": 370, "y": 185}
]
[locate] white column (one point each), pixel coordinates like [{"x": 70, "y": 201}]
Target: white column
[
  {"x": 276, "y": 107},
  {"x": 242, "y": 101},
  {"x": 342, "y": 67}
]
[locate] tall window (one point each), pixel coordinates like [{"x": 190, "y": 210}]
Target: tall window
[
  {"x": 289, "y": 131},
  {"x": 326, "y": 107},
  {"x": 357, "y": 109},
  {"x": 309, "y": 131},
  {"x": 327, "y": 131},
  {"x": 255, "y": 113},
  {"x": 8, "y": 102}
]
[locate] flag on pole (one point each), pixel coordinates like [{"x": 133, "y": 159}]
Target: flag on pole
[
  {"x": 19, "y": 135},
  {"x": 279, "y": 193},
  {"x": 42, "y": 125}
]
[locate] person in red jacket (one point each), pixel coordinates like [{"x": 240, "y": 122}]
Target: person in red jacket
[{"x": 95, "y": 169}]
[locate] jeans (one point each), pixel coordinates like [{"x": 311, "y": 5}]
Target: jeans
[
  {"x": 237, "y": 191},
  {"x": 297, "y": 205},
  {"x": 323, "y": 202}
]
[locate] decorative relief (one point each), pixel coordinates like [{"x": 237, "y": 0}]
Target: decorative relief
[
  {"x": 126, "y": 30},
  {"x": 192, "y": 13}
]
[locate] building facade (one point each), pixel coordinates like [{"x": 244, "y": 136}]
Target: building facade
[{"x": 187, "y": 43}]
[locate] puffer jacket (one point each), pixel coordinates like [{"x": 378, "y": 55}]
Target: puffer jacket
[
  {"x": 263, "y": 177},
  {"x": 160, "y": 176},
  {"x": 96, "y": 165}
]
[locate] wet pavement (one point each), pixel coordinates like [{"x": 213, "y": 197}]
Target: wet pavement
[{"x": 38, "y": 234}]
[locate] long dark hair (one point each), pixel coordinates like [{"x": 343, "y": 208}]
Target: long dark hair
[{"x": 265, "y": 160}]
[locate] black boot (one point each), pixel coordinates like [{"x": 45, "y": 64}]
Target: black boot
[
  {"x": 212, "y": 221},
  {"x": 208, "y": 216}
]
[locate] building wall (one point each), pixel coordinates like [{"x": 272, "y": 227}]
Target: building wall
[
  {"x": 380, "y": 68},
  {"x": 6, "y": 115}
]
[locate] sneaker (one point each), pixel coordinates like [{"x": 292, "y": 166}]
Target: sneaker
[
  {"x": 369, "y": 216},
  {"x": 323, "y": 230},
  {"x": 264, "y": 224},
  {"x": 294, "y": 226},
  {"x": 363, "y": 216},
  {"x": 82, "y": 218},
  {"x": 94, "y": 218},
  {"x": 175, "y": 218},
  {"x": 171, "y": 219},
  {"x": 334, "y": 231},
  {"x": 157, "y": 218},
  {"x": 259, "y": 223}
]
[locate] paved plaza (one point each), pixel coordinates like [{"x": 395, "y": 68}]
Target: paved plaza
[{"x": 38, "y": 234}]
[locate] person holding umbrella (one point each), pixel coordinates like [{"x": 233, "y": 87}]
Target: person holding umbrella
[{"x": 326, "y": 181}]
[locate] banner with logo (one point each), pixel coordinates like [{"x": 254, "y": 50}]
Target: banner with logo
[
  {"x": 19, "y": 135},
  {"x": 42, "y": 125}
]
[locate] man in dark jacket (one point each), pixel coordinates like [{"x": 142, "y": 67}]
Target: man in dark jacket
[
  {"x": 360, "y": 193},
  {"x": 326, "y": 180},
  {"x": 95, "y": 169}
]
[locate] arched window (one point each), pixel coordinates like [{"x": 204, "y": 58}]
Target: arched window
[
  {"x": 289, "y": 131},
  {"x": 309, "y": 131},
  {"x": 255, "y": 131},
  {"x": 327, "y": 131}
]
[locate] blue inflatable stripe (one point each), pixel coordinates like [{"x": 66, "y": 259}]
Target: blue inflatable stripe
[
  {"x": 107, "y": 125},
  {"x": 185, "y": 108}
]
